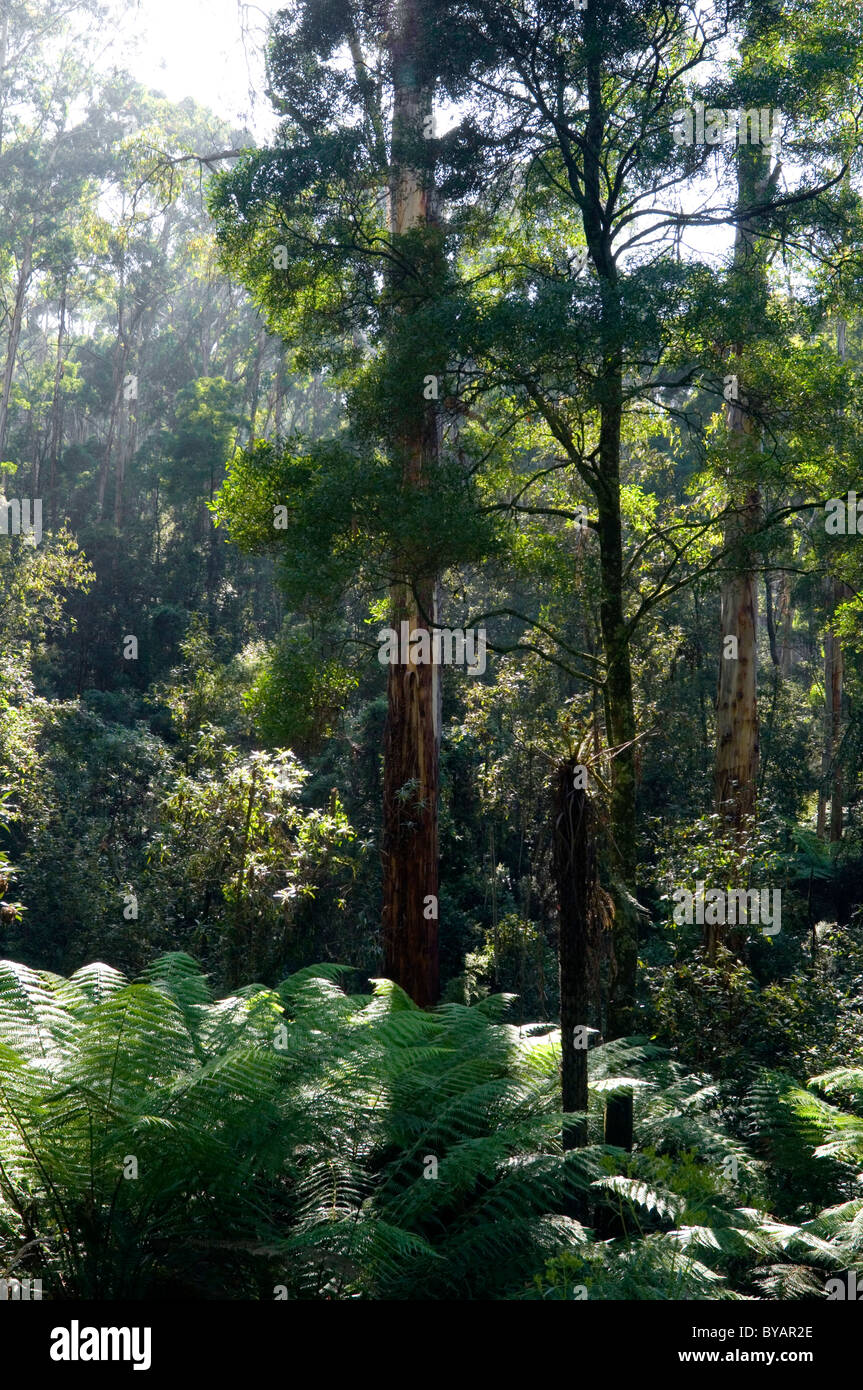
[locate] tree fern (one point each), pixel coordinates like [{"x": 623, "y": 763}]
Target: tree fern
[{"x": 155, "y": 1141}]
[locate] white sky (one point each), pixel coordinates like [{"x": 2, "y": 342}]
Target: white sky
[
  {"x": 211, "y": 50},
  {"x": 195, "y": 48}
]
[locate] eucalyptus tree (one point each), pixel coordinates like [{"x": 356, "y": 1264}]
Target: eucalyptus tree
[
  {"x": 50, "y": 153},
  {"x": 339, "y": 232},
  {"x": 601, "y": 109},
  {"x": 807, "y": 64}
]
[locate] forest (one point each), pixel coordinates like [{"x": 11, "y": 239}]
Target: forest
[{"x": 431, "y": 657}]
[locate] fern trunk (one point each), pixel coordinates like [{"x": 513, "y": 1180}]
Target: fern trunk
[{"x": 575, "y": 872}]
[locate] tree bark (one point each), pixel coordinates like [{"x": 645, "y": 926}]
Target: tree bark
[
  {"x": 412, "y": 737},
  {"x": 834, "y": 668},
  {"x": 121, "y": 357},
  {"x": 24, "y": 272},
  {"x": 129, "y": 436},
  {"x": 736, "y": 763},
  {"x": 785, "y": 620},
  {"x": 256, "y": 383},
  {"x": 618, "y": 694},
  {"x": 836, "y": 731},
  {"x": 737, "y": 728},
  {"x": 831, "y": 769},
  {"x": 736, "y": 768},
  {"x": 57, "y": 403},
  {"x": 620, "y": 717},
  {"x": 240, "y": 937}
]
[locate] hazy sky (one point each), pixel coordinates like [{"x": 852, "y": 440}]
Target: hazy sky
[
  {"x": 211, "y": 50},
  {"x": 195, "y": 48}
]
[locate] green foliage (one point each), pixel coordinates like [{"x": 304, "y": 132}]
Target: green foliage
[
  {"x": 331, "y": 1144},
  {"x": 293, "y": 1159},
  {"x": 212, "y": 843},
  {"x": 283, "y": 336},
  {"x": 298, "y": 697},
  {"x": 233, "y": 852}
]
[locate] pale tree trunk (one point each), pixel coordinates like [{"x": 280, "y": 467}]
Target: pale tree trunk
[
  {"x": 831, "y": 769},
  {"x": 25, "y": 270},
  {"x": 4, "y": 42},
  {"x": 785, "y": 611},
  {"x": 122, "y": 354},
  {"x": 57, "y": 404},
  {"x": 280, "y": 393},
  {"x": 128, "y": 436},
  {"x": 785, "y": 624},
  {"x": 125, "y": 450},
  {"x": 256, "y": 383},
  {"x": 834, "y": 677},
  {"x": 737, "y": 753},
  {"x": 827, "y": 722},
  {"x": 412, "y": 738},
  {"x": 121, "y": 357},
  {"x": 736, "y": 767}
]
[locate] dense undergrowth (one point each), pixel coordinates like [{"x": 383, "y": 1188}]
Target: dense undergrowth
[{"x": 309, "y": 1142}]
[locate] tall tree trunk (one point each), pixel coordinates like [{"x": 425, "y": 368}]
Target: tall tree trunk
[
  {"x": 785, "y": 610},
  {"x": 575, "y": 871},
  {"x": 4, "y": 84},
  {"x": 129, "y": 416},
  {"x": 121, "y": 451},
  {"x": 278, "y": 408},
  {"x": 25, "y": 270},
  {"x": 834, "y": 672},
  {"x": 618, "y": 694},
  {"x": 770, "y": 615},
  {"x": 836, "y": 731},
  {"x": 785, "y": 623},
  {"x": 120, "y": 359},
  {"x": 736, "y": 767},
  {"x": 736, "y": 764},
  {"x": 57, "y": 404},
  {"x": 831, "y": 769},
  {"x": 239, "y": 940},
  {"x": 412, "y": 738},
  {"x": 256, "y": 383},
  {"x": 620, "y": 715},
  {"x": 737, "y": 730}
]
